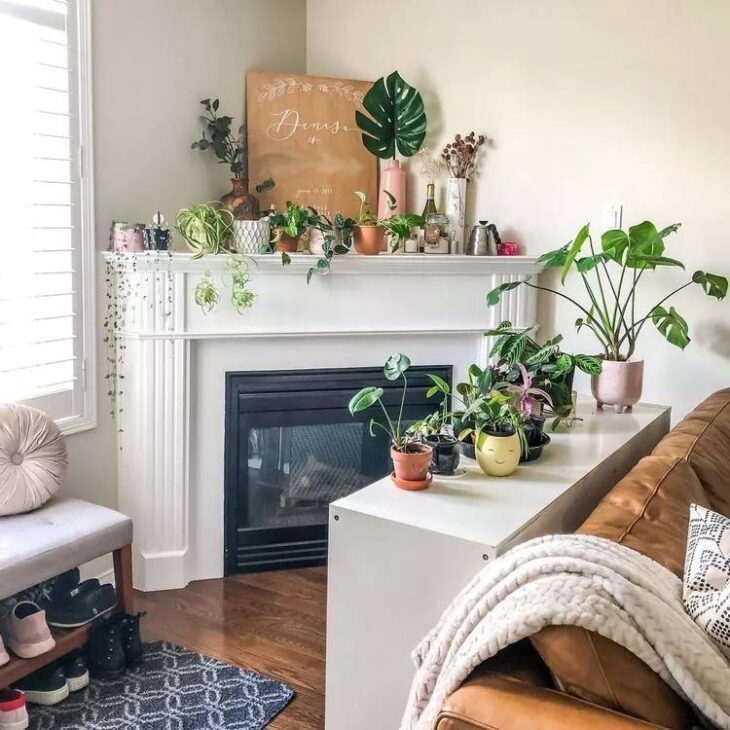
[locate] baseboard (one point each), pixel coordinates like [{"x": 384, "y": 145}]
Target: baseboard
[{"x": 101, "y": 568}]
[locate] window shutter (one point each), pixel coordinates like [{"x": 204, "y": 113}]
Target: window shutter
[{"x": 44, "y": 211}]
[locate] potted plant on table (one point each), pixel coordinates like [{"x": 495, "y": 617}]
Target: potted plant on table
[
  {"x": 611, "y": 278},
  {"x": 478, "y": 383},
  {"x": 498, "y": 433},
  {"x": 411, "y": 459},
  {"x": 437, "y": 431}
]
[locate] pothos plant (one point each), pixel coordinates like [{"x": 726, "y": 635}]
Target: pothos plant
[
  {"x": 337, "y": 234},
  {"x": 398, "y": 226},
  {"x": 610, "y": 276},
  {"x": 292, "y": 222},
  {"x": 207, "y": 229}
]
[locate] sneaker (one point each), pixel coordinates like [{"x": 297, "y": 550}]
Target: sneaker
[
  {"x": 104, "y": 652},
  {"x": 64, "y": 584},
  {"x": 82, "y": 605},
  {"x": 131, "y": 640},
  {"x": 47, "y": 686},
  {"x": 26, "y": 631},
  {"x": 4, "y": 657},
  {"x": 13, "y": 712},
  {"x": 76, "y": 671}
]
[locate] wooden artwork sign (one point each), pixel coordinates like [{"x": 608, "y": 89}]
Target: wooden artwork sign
[{"x": 302, "y": 133}]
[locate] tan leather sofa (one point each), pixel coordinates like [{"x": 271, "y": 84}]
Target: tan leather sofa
[{"x": 566, "y": 677}]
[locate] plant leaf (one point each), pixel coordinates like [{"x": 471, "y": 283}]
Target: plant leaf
[
  {"x": 649, "y": 261},
  {"x": 574, "y": 250},
  {"x": 590, "y": 262},
  {"x": 614, "y": 243},
  {"x": 397, "y": 118},
  {"x": 495, "y": 295},
  {"x": 364, "y": 399},
  {"x": 554, "y": 259},
  {"x": 714, "y": 285},
  {"x": 588, "y": 364},
  {"x": 439, "y": 384},
  {"x": 671, "y": 325},
  {"x": 396, "y": 365},
  {"x": 644, "y": 240}
]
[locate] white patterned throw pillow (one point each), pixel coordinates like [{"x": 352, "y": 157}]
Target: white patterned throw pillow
[{"x": 706, "y": 591}]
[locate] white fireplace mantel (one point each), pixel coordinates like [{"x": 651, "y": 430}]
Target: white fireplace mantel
[{"x": 171, "y": 460}]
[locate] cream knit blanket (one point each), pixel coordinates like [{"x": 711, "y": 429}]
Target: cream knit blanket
[{"x": 574, "y": 580}]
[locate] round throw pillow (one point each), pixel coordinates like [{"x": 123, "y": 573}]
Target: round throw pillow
[{"x": 32, "y": 458}]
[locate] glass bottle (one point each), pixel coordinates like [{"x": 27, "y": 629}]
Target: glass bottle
[{"x": 428, "y": 209}]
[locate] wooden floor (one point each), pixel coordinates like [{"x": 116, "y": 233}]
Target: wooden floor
[{"x": 273, "y": 623}]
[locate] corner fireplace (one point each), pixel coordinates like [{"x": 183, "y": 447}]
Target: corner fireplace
[{"x": 291, "y": 448}]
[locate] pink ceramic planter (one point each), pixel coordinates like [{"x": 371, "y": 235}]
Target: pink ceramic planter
[{"x": 619, "y": 384}]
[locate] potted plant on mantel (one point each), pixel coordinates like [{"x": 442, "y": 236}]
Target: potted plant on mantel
[
  {"x": 611, "y": 278},
  {"x": 437, "y": 431},
  {"x": 411, "y": 459},
  {"x": 368, "y": 236},
  {"x": 288, "y": 227}
]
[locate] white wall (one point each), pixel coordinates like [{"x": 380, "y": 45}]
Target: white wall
[
  {"x": 589, "y": 104},
  {"x": 153, "y": 62}
]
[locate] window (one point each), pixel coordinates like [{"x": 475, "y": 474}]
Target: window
[{"x": 46, "y": 219}]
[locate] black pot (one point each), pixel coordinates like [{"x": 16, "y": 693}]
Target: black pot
[
  {"x": 467, "y": 448},
  {"x": 445, "y": 456},
  {"x": 158, "y": 239},
  {"x": 535, "y": 447}
]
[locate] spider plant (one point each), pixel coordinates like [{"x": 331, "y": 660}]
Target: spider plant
[
  {"x": 206, "y": 228},
  {"x": 611, "y": 277}
]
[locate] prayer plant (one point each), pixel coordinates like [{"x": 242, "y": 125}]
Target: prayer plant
[{"x": 610, "y": 276}]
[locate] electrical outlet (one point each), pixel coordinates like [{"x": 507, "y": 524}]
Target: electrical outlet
[{"x": 613, "y": 216}]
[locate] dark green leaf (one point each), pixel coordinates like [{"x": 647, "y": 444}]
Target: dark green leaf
[
  {"x": 648, "y": 261},
  {"x": 495, "y": 295},
  {"x": 563, "y": 364},
  {"x": 714, "y": 285},
  {"x": 554, "y": 259},
  {"x": 364, "y": 399},
  {"x": 588, "y": 364},
  {"x": 671, "y": 325},
  {"x": 396, "y": 365},
  {"x": 439, "y": 384},
  {"x": 614, "y": 244},
  {"x": 285, "y": 258},
  {"x": 574, "y": 250},
  {"x": 669, "y": 229},
  {"x": 644, "y": 240},
  {"x": 590, "y": 262}
]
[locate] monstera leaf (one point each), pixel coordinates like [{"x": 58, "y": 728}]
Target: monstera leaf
[{"x": 397, "y": 118}]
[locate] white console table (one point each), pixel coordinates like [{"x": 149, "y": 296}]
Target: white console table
[{"x": 397, "y": 558}]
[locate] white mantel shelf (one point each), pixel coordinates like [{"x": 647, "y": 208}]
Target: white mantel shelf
[{"x": 177, "y": 357}]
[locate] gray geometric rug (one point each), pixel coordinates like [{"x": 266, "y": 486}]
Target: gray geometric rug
[{"x": 173, "y": 689}]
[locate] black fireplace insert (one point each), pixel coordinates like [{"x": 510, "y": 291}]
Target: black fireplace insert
[{"x": 292, "y": 447}]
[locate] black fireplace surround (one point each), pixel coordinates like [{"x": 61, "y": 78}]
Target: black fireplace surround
[{"x": 292, "y": 447}]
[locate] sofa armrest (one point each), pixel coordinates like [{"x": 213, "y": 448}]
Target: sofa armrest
[{"x": 492, "y": 701}]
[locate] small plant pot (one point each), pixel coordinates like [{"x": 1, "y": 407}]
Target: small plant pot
[
  {"x": 619, "y": 384},
  {"x": 287, "y": 244},
  {"x": 412, "y": 467},
  {"x": 498, "y": 455},
  {"x": 250, "y": 236},
  {"x": 535, "y": 447},
  {"x": 446, "y": 454},
  {"x": 369, "y": 240},
  {"x": 468, "y": 450},
  {"x": 315, "y": 242}
]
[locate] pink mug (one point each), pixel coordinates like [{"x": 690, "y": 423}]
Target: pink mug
[{"x": 508, "y": 248}]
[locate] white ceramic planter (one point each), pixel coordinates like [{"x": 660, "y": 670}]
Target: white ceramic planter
[
  {"x": 619, "y": 384},
  {"x": 249, "y": 236},
  {"x": 456, "y": 210}
]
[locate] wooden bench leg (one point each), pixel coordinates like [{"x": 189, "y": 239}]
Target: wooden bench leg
[{"x": 123, "y": 578}]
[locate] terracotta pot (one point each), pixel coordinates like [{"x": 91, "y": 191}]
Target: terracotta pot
[
  {"x": 411, "y": 465},
  {"x": 243, "y": 205},
  {"x": 289, "y": 244},
  {"x": 369, "y": 240},
  {"x": 619, "y": 384},
  {"x": 498, "y": 455}
]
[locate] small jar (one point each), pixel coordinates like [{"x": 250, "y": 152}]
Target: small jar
[
  {"x": 436, "y": 234},
  {"x": 411, "y": 244}
]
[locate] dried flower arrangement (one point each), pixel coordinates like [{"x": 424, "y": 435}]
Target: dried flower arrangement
[
  {"x": 428, "y": 166},
  {"x": 460, "y": 156}
]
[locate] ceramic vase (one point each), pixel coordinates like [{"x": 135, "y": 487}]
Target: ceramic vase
[
  {"x": 392, "y": 179},
  {"x": 250, "y": 236},
  {"x": 243, "y": 205},
  {"x": 619, "y": 384},
  {"x": 456, "y": 210},
  {"x": 287, "y": 244},
  {"x": 498, "y": 455}
]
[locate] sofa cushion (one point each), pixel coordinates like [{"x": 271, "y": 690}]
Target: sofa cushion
[
  {"x": 703, "y": 439},
  {"x": 648, "y": 510}
]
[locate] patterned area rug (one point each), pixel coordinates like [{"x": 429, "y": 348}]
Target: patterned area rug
[{"x": 174, "y": 689}]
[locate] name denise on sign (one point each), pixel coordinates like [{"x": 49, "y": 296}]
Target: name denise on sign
[{"x": 288, "y": 122}]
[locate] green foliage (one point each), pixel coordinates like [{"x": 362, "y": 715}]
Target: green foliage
[
  {"x": 493, "y": 413},
  {"x": 241, "y": 296},
  {"x": 399, "y": 226},
  {"x": 395, "y": 368},
  {"x": 611, "y": 278},
  {"x": 206, "y": 295},
  {"x": 206, "y": 228},
  {"x": 397, "y": 119},
  {"x": 292, "y": 222},
  {"x": 218, "y": 138},
  {"x": 366, "y": 216},
  {"x": 337, "y": 235}
]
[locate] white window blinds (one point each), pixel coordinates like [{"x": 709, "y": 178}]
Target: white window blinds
[{"x": 45, "y": 211}]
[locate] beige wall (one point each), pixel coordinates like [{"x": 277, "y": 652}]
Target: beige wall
[
  {"x": 589, "y": 104},
  {"x": 153, "y": 61}
]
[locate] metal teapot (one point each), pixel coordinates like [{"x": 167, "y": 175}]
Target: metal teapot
[{"x": 484, "y": 240}]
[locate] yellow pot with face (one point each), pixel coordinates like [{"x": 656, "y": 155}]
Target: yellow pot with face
[{"x": 498, "y": 456}]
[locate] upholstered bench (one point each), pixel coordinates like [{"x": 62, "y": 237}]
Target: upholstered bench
[{"x": 61, "y": 535}]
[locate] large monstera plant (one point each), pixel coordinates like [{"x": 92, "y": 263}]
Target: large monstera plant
[
  {"x": 396, "y": 121},
  {"x": 610, "y": 276}
]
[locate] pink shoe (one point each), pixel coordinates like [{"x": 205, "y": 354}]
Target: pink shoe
[
  {"x": 13, "y": 713},
  {"x": 26, "y": 631},
  {"x": 4, "y": 658}
]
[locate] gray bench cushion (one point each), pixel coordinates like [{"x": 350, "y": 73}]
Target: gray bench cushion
[{"x": 62, "y": 534}]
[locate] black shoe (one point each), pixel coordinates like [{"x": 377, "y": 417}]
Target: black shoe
[
  {"x": 64, "y": 584},
  {"x": 91, "y": 600},
  {"x": 76, "y": 671},
  {"x": 131, "y": 640},
  {"x": 105, "y": 653},
  {"x": 47, "y": 686}
]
